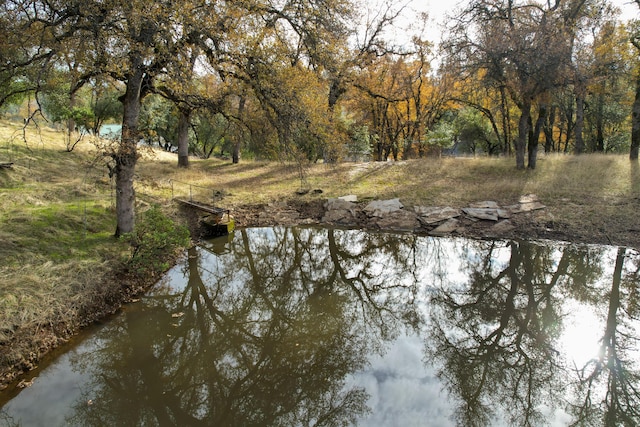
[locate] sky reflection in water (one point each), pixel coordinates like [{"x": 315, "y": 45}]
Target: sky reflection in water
[{"x": 305, "y": 326}]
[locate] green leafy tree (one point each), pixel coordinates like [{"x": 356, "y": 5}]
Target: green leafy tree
[{"x": 442, "y": 136}]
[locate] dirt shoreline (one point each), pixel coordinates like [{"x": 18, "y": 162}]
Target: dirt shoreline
[{"x": 536, "y": 225}]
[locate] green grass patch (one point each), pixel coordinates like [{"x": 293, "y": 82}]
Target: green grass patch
[{"x": 58, "y": 231}]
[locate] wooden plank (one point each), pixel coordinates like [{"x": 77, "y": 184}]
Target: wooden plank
[{"x": 201, "y": 206}]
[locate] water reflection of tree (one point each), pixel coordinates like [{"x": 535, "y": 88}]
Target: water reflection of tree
[
  {"x": 264, "y": 335},
  {"x": 609, "y": 385},
  {"x": 495, "y": 335}
]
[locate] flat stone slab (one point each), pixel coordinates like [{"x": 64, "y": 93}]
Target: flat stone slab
[
  {"x": 484, "y": 205},
  {"x": 489, "y": 214},
  {"x": 349, "y": 198},
  {"x": 481, "y": 213},
  {"x": 526, "y": 203},
  {"x": 503, "y": 213},
  {"x": 526, "y": 207},
  {"x": 381, "y": 208},
  {"x": 400, "y": 220},
  {"x": 446, "y": 228},
  {"x": 528, "y": 198},
  {"x": 500, "y": 228},
  {"x": 435, "y": 214},
  {"x": 339, "y": 204}
]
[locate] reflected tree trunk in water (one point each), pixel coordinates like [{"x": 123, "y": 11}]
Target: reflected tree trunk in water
[
  {"x": 611, "y": 382},
  {"x": 244, "y": 342},
  {"x": 495, "y": 335}
]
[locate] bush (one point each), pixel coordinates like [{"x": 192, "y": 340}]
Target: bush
[{"x": 156, "y": 240}]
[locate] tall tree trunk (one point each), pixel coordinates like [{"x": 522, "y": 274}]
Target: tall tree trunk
[
  {"x": 635, "y": 123},
  {"x": 236, "y": 152},
  {"x": 535, "y": 136},
  {"x": 127, "y": 155},
  {"x": 183, "y": 138},
  {"x": 506, "y": 119},
  {"x": 580, "y": 95},
  {"x": 71, "y": 123},
  {"x": 600, "y": 123},
  {"x": 549, "y": 144},
  {"x": 239, "y": 135},
  {"x": 523, "y": 132},
  {"x": 336, "y": 89},
  {"x": 569, "y": 126}
]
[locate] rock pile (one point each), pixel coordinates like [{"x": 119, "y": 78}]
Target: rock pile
[{"x": 435, "y": 220}]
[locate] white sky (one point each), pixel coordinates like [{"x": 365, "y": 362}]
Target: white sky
[{"x": 438, "y": 9}]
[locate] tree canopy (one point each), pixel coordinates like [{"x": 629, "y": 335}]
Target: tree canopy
[{"x": 312, "y": 81}]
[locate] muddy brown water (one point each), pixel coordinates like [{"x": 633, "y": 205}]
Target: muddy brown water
[{"x": 314, "y": 326}]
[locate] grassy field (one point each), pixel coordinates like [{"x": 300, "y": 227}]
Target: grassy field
[
  {"x": 57, "y": 213},
  {"x": 593, "y": 198}
]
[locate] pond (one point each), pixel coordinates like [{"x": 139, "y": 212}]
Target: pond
[{"x": 314, "y": 326}]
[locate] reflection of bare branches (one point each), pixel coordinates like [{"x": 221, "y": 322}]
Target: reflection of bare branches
[
  {"x": 495, "y": 335},
  {"x": 617, "y": 400},
  {"x": 263, "y": 334}
]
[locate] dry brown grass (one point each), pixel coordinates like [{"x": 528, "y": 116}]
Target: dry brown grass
[
  {"x": 562, "y": 182},
  {"x": 591, "y": 198},
  {"x": 56, "y": 226}
]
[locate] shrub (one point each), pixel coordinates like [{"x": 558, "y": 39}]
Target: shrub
[{"x": 156, "y": 240}]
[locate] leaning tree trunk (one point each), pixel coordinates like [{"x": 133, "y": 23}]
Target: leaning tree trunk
[
  {"x": 126, "y": 155},
  {"x": 183, "y": 138},
  {"x": 523, "y": 132},
  {"x": 635, "y": 123}
]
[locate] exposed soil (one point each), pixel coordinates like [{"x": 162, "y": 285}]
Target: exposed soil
[{"x": 30, "y": 343}]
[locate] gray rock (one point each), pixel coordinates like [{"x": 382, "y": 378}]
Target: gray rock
[
  {"x": 380, "y": 208},
  {"x": 485, "y": 205},
  {"x": 400, "y": 220},
  {"x": 501, "y": 228},
  {"x": 350, "y": 198},
  {"x": 445, "y": 228},
  {"x": 480, "y": 213},
  {"x": 339, "y": 204},
  {"x": 339, "y": 211},
  {"x": 434, "y": 214},
  {"x": 339, "y": 216}
]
